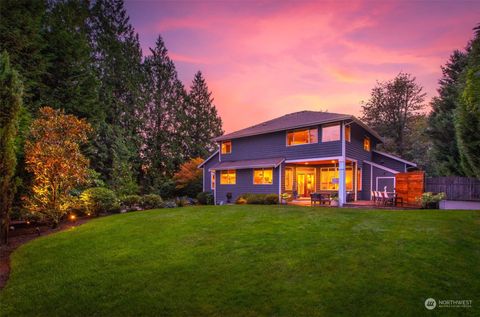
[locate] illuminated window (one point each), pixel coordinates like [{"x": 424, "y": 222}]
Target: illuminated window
[
  {"x": 359, "y": 179},
  {"x": 288, "y": 179},
  {"x": 329, "y": 178},
  {"x": 226, "y": 147},
  {"x": 306, "y": 136},
  {"x": 263, "y": 176},
  {"x": 212, "y": 180},
  {"x": 331, "y": 133},
  {"x": 228, "y": 177},
  {"x": 366, "y": 143},
  {"x": 348, "y": 133}
]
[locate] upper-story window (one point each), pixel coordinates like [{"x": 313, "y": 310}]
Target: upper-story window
[
  {"x": 331, "y": 133},
  {"x": 305, "y": 136},
  {"x": 348, "y": 133},
  {"x": 366, "y": 144},
  {"x": 263, "y": 176},
  {"x": 226, "y": 147}
]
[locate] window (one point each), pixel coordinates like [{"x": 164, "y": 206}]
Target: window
[
  {"x": 226, "y": 147},
  {"x": 348, "y": 133},
  {"x": 329, "y": 177},
  {"x": 212, "y": 180},
  {"x": 263, "y": 176},
  {"x": 228, "y": 177},
  {"x": 288, "y": 179},
  {"x": 366, "y": 144},
  {"x": 331, "y": 133},
  {"x": 359, "y": 179},
  {"x": 298, "y": 137}
]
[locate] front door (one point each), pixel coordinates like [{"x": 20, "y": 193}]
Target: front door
[{"x": 305, "y": 182}]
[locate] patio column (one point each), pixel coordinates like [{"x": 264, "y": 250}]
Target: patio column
[{"x": 342, "y": 188}]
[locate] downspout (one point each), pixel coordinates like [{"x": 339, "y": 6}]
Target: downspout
[{"x": 280, "y": 183}]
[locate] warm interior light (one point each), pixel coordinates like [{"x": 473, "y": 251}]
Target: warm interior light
[{"x": 72, "y": 217}]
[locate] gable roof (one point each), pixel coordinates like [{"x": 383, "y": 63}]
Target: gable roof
[
  {"x": 395, "y": 158},
  {"x": 208, "y": 159},
  {"x": 292, "y": 121}
]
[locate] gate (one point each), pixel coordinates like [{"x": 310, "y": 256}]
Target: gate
[{"x": 410, "y": 186}]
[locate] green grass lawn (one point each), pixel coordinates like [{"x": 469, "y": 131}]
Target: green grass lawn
[{"x": 250, "y": 261}]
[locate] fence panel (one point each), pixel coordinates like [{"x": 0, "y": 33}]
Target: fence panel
[
  {"x": 455, "y": 187},
  {"x": 410, "y": 186}
]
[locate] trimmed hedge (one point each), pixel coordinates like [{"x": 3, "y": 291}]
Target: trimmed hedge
[
  {"x": 99, "y": 199},
  {"x": 152, "y": 201},
  {"x": 258, "y": 199}
]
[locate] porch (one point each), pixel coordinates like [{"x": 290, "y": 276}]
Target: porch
[{"x": 323, "y": 176}]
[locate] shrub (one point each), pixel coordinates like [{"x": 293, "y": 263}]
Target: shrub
[
  {"x": 258, "y": 199},
  {"x": 131, "y": 202},
  {"x": 99, "y": 199},
  {"x": 183, "y": 201},
  {"x": 205, "y": 198},
  {"x": 430, "y": 200},
  {"x": 151, "y": 201}
]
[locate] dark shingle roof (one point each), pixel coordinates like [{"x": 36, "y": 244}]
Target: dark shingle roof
[{"x": 292, "y": 121}]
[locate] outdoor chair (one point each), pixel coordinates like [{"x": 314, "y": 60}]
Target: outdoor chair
[
  {"x": 378, "y": 198},
  {"x": 388, "y": 200}
]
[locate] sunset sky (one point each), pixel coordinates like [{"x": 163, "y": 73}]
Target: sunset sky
[{"x": 263, "y": 59}]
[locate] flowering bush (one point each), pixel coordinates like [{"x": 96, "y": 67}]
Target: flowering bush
[{"x": 430, "y": 200}]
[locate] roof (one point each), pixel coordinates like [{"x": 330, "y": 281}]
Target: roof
[
  {"x": 395, "y": 157},
  {"x": 208, "y": 159},
  {"x": 259, "y": 163},
  {"x": 292, "y": 121}
]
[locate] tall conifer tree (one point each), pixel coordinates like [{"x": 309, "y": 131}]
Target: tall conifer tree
[{"x": 11, "y": 90}]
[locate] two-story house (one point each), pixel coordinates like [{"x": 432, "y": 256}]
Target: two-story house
[{"x": 302, "y": 153}]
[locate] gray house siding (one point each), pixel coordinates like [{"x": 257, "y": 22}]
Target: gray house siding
[
  {"x": 366, "y": 176},
  {"x": 381, "y": 175},
  {"x": 354, "y": 148},
  {"x": 274, "y": 145},
  {"x": 244, "y": 184},
  {"x": 388, "y": 162},
  {"x": 206, "y": 173}
]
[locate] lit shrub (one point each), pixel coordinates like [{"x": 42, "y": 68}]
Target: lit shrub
[{"x": 99, "y": 199}]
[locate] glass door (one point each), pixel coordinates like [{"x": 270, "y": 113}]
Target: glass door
[{"x": 305, "y": 181}]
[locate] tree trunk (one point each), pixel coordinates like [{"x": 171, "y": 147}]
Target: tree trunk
[{"x": 4, "y": 227}]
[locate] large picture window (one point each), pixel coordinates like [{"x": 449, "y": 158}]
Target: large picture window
[
  {"x": 263, "y": 176},
  {"x": 289, "y": 179},
  {"x": 331, "y": 133},
  {"x": 226, "y": 147},
  {"x": 228, "y": 177},
  {"x": 298, "y": 137},
  {"x": 329, "y": 178}
]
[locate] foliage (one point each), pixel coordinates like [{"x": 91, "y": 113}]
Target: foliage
[
  {"x": 183, "y": 201},
  {"x": 99, "y": 199},
  {"x": 431, "y": 200},
  {"x": 53, "y": 156},
  {"x": 205, "y": 198},
  {"x": 467, "y": 115},
  {"x": 258, "y": 199},
  {"x": 151, "y": 201},
  {"x": 441, "y": 127},
  {"x": 11, "y": 91},
  {"x": 391, "y": 106},
  {"x": 189, "y": 178},
  {"x": 204, "y": 124},
  {"x": 258, "y": 250},
  {"x": 170, "y": 204},
  {"x": 131, "y": 202}
]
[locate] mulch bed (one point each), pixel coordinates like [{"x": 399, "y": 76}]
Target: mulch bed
[{"x": 23, "y": 235}]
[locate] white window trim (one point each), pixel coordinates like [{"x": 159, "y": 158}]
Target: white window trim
[
  {"x": 227, "y": 173},
  {"x": 339, "y": 132}
]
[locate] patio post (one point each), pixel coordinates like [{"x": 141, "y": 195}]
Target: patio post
[{"x": 342, "y": 193}]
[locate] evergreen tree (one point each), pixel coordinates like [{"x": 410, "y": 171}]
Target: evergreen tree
[
  {"x": 70, "y": 82},
  {"x": 441, "y": 128},
  {"x": 11, "y": 90},
  {"x": 467, "y": 115},
  {"x": 118, "y": 60},
  {"x": 391, "y": 107},
  {"x": 164, "y": 118},
  {"x": 22, "y": 36},
  {"x": 204, "y": 122}
]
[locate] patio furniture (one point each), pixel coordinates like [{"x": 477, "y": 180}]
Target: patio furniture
[
  {"x": 321, "y": 199},
  {"x": 388, "y": 199}
]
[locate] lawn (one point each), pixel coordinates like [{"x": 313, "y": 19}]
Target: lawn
[{"x": 250, "y": 261}]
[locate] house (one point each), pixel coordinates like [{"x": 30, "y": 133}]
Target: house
[{"x": 301, "y": 153}]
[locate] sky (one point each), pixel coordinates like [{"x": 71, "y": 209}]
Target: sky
[{"x": 264, "y": 59}]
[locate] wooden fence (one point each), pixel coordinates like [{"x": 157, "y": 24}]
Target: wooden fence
[
  {"x": 410, "y": 186},
  {"x": 456, "y": 188}
]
